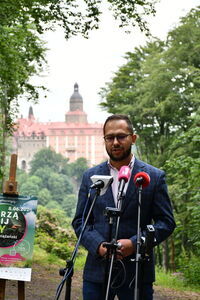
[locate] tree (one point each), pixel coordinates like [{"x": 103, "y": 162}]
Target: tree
[
  {"x": 60, "y": 186},
  {"x": 184, "y": 177},
  {"x": 135, "y": 90},
  {"x": 74, "y": 16},
  {"x": 48, "y": 159},
  {"x": 31, "y": 186},
  {"x": 158, "y": 89},
  {"x": 53, "y": 180},
  {"x": 21, "y": 56},
  {"x": 44, "y": 197},
  {"x": 69, "y": 204},
  {"x": 77, "y": 168}
]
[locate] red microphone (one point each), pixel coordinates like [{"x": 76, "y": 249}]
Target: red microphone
[
  {"x": 123, "y": 176},
  {"x": 141, "y": 179}
]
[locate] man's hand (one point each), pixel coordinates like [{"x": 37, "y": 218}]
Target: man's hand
[
  {"x": 127, "y": 247},
  {"x": 102, "y": 250}
]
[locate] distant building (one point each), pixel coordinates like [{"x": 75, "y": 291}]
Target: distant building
[{"x": 73, "y": 138}]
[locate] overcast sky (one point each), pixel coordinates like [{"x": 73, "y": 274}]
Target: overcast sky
[{"x": 92, "y": 62}]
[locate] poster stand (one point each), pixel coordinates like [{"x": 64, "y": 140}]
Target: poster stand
[{"x": 10, "y": 189}]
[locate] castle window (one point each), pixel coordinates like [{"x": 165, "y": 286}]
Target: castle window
[
  {"x": 42, "y": 135},
  {"x": 23, "y": 165}
]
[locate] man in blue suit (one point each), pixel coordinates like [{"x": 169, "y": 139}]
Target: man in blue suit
[{"x": 155, "y": 209}]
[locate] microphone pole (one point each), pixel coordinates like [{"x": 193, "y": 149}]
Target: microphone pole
[
  {"x": 138, "y": 255},
  {"x": 123, "y": 177},
  {"x": 69, "y": 268},
  {"x": 141, "y": 180}
]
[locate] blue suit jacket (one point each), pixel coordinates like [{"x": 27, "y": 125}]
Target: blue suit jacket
[{"x": 155, "y": 208}]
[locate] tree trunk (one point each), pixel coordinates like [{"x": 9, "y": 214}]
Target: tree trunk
[
  {"x": 172, "y": 261},
  {"x": 165, "y": 255}
]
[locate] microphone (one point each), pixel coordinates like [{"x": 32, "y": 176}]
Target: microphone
[
  {"x": 141, "y": 179},
  {"x": 101, "y": 182},
  {"x": 123, "y": 176}
]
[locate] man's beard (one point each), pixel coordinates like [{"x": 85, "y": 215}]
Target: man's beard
[{"x": 119, "y": 158}]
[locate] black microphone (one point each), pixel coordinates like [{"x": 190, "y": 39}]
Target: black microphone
[{"x": 101, "y": 182}]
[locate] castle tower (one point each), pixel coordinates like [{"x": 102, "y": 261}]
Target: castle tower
[
  {"x": 76, "y": 113},
  {"x": 30, "y": 113}
]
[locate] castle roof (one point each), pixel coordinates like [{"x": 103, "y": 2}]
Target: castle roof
[
  {"x": 75, "y": 121},
  {"x": 76, "y": 97}
]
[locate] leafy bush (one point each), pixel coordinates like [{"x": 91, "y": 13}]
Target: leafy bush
[
  {"x": 54, "y": 233},
  {"x": 190, "y": 267},
  {"x": 62, "y": 250},
  {"x": 45, "y": 241}
]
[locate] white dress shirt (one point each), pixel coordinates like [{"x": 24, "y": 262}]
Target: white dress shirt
[{"x": 114, "y": 172}]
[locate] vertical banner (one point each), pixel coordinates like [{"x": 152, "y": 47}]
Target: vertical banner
[{"x": 17, "y": 230}]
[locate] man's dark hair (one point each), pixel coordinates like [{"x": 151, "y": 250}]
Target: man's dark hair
[{"x": 119, "y": 117}]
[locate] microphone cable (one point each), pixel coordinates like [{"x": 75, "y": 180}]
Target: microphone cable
[{"x": 120, "y": 274}]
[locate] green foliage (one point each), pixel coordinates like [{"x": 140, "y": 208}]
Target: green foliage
[
  {"x": 69, "y": 204},
  {"x": 174, "y": 281},
  {"x": 53, "y": 180},
  {"x": 77, "y": 168},
  {"x": 74, "y": 16},
  {"x": 59, "y": 185},
  {"x": 184, "y": 177},
  {"x": 47, "y": 160},
  {"x": 31, "y": 186},
  {"x": 52, "y": 204},
  {"x": 44, "y": 196},
  {"x": 61, "y": 250},
  {"x": 54, "y": 184},
  {"x": 159, "y": 89},
  {"x": 21, "y": 56},
  {"x": 40, "y": 256},
  {"x": 54, "y": 234},
  {"x": 190, "y": 266}
]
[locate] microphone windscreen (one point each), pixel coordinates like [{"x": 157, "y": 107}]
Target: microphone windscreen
[
  {"x": 141, "y": 179},
  {"x": 124, "y": 173}
]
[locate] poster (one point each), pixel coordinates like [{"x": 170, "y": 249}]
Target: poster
[{"x": 17, "y": 229}]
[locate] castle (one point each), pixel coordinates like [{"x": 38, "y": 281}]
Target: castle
[{"x": 73, "y": 138}]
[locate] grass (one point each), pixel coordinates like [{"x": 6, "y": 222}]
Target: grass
[
  {"x": 41, "y": 257},
  {"x": 171, "y": 281},
  {"x": 174, "y": 281}
]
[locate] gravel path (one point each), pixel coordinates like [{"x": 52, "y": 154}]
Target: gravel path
[{"x": 46, "y": 280}]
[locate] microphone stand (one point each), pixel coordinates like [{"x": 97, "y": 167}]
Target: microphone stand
[
  {"x": 138, "y": 255},
  {"x": 67, "y": 273},
  {"x": 113, "y": 245}
]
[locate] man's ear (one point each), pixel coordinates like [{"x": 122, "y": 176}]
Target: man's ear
[{"x": 134, "y": 138}]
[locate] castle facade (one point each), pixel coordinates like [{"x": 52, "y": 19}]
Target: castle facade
[{"x": 73, "y": 138}]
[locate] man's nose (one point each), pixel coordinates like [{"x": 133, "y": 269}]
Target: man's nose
[{"x": 115, "y": 141}]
